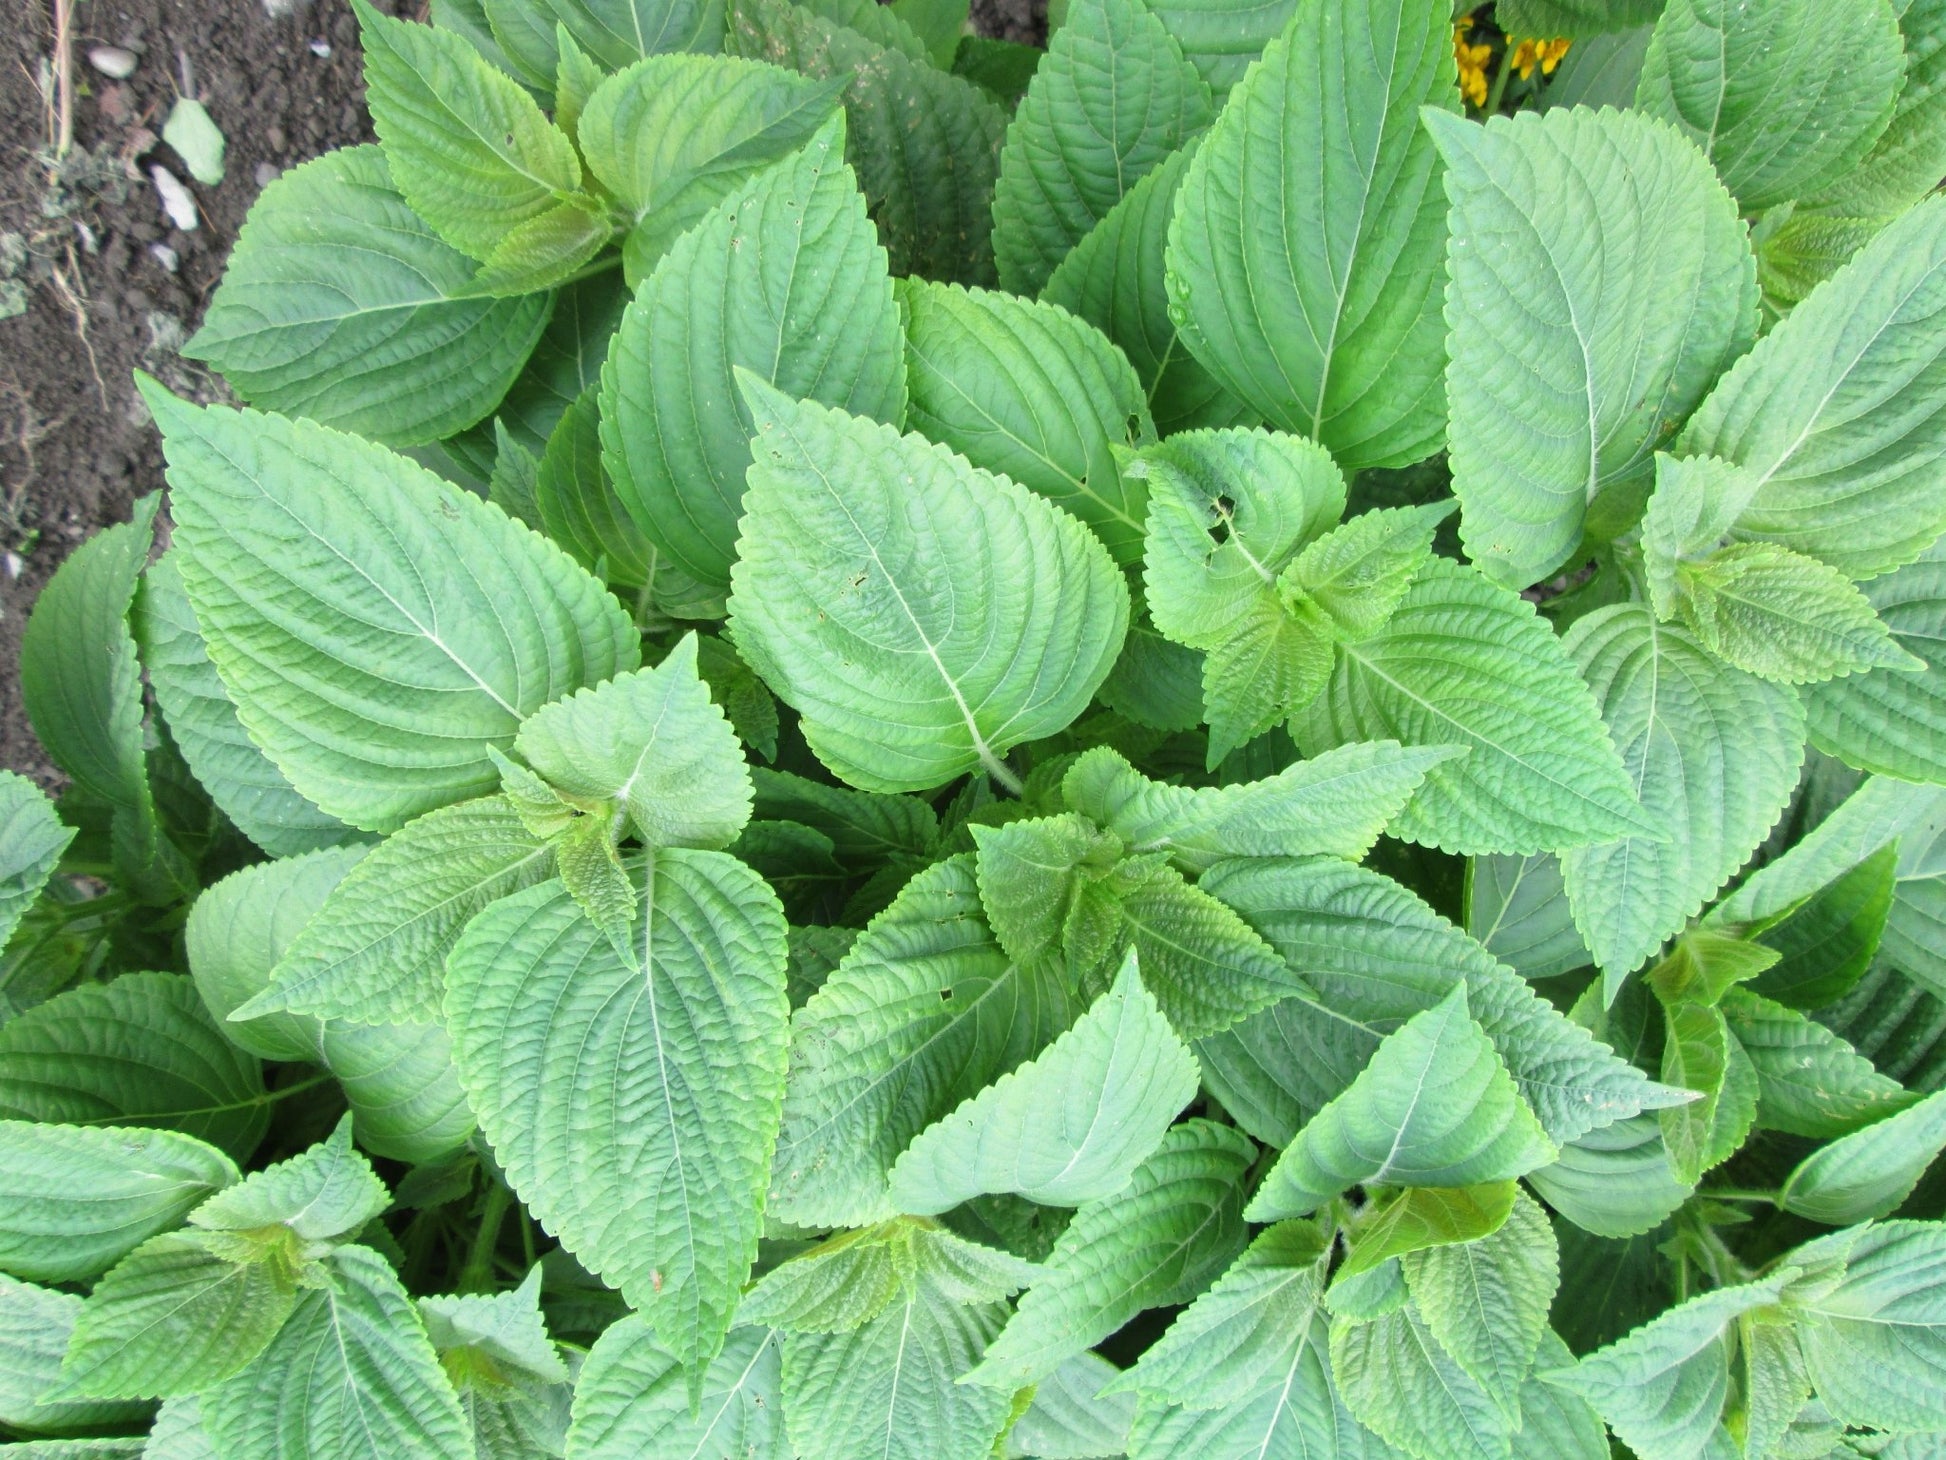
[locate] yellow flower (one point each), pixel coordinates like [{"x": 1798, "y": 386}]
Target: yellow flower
[
  {"x": 1472, "y": 63},
  {"x": 1545, "y": 54}
]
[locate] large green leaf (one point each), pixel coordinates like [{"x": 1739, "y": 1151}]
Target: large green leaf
[
  {"x": 1909, "y": 157},
  {"x": 1618, "y": 1181},
  {"x": 356, "y": 607},
  {"x": 1868, "y": 1173},
  {"x": 1295, "y": 1412},
  {"x": 1810, "y": 1082},
  {"x": 1517, "y": 907},
  {"x": 924, "y": 1012},
  {"x": 1828, "y": 411},
  {"x": 1577, "y": 18},
  {"x": 1435, "y": 1107},
  {"x": 1828, "y": 942},
  {"x": 32, "y": 839},
  {"x": 636, "y": 1118},
  {"x": 1893, "y": 721},
  {"x": 1913, "y": 942},
  {"x": 1599, "y": 281},
  {"x": 1069, "y": 1126},
  {"x": 351, "y": 1376},
  {"x": 631, "y": 1394},
  {"x": 75, "y": 1199},
  {"x": 1157, "y": 1241},
  {"x": 1711, "y": 752},
  {"x": 575, "y": 502},
  {"x": 139, "y": 1051},
  {"x": 340, "y": 304},
  {"x": 1111, "y": 100},
  {"x": 856, "y": 600},
  {"x": 1070, "y": 1419},
  {"x": 1875, "y": 1342},
  {"x": 615, "y": 33},
  {"x": 1222, "y": 37},
  {"x": 926, "y": 145},
  {"x": 1305, "y": 248},
  {"x": 1465, "y": 662},
  {"x": 1397, "y": 1379},
  {"x": 785, "y": 278},
  {"x": 35, "y": 1324},
  {"x": 1785, "y": 99},
  {"x": 1027, "y": 391}
]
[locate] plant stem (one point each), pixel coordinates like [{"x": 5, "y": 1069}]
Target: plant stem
[
  {"x": 477, "y": 1275},
  {"x": 1738, "y": 1193},
  {"x": 1498, "y": 91},
  {"x": 995, "y": 767}
]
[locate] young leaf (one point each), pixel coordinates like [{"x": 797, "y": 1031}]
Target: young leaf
[
  {"x": 1699, "y": 1054},
  {"x": 1826, "y": 411},
  {"x": 783, "y": 277},
  {"x": 1358, "y": 572},
  {"x": 34, "y": 1327},
  {"x": 1314, "y": 198},
  {"x": 1712, "y": 754},
  {"x": 1397, "y": 1379},
  {"x": 1157, "y": 1241},
  {"x": 1435, "y": 1107},
  {"x": 1810, "y": 1082},
  {"x": 341, "y": 305},
  {"x": 354, "y": 604},
  {"x": 674, "y": 1067},
  {"x": 631, "y": 1392},
  {"x": 1029, "y": 392},
  {"x": 32, "y": 839},
  {"x": 1112, "y": 99},
  {"x": 1694, "y": 507},
  {"x": 1421, "y": 1217},
  {"x": 856, "y": 601},
  {"x": 1463, "y": 662},
  {"x": 1868, "y": 1173},
  {"x": 324, "y": 1194},
  {"x": 512, "y": 1385},
  {"x": 575, "y": 503},
  {"x": 1875, "y": 1342},
  {"x": 75, "y": 1199},
  {"x": 1782, "y": 107},
  {"x": 1069, "y": 1126},
  {"x": 1650, "y": 292}
]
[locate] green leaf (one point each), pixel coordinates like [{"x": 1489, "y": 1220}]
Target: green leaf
[
  {"x": 340, "y": 304},
  {"x": 1711, "y": 753},
  {"x": 1394, "y": 1376},
  {"x": 1900, "y": 169},
  {"x": 1556, "y": 1424},
  {"x": 350, "y": 1376},
  {"x": 1577, "y": 18},
  {"x": 1518, "y": 910},
  {"x": 466, "y": 146},
  {"x": 34, "y": 1327},
  {"x": 1245, "y": 1331},
  {"x": 1070, "y": 1419},
  {"x": 1825, "y": 411},
  {"x": 1314, "y": 198},
  {"x": 576, "y": 503},
  {"x": 941, "y": 24},
  {"x": 75, "y": 1199},
  {"x": 632, "y": 1392},
  {"x": 1694, "y": 507},
  {"x": 1001, "y": 69},
  {"x": 512, "y": 1386},
  {"x": 1358, "y": 571},
  {"x": 1704, "y": 965},
  {"x": 1662, "y": 1388},
  {"x": 341, "y": 589},
  {"x": 1069, "y": 1126},
  {"x": 1868, "y": 1173},
  {"x": 1599, "y": 281},
  {"x": 1617, "y": 1181},
  {"x": 924, "y": 1012},
  {"x": 1810, "y": 1082},
  {"x": 1892, "y": 721},
  {"x": 1027, "y": 391},
  {"x": 1420, "y": 1217},
  {"x": 783, "y": 277},
  {"x": 1335, "y": 805},
  {"x": 1464, "y": 662},
  {"x": 1701, "y": 1055},
  {"x": 32, "y": 839},
  {"x": 1875, "y": 1343},
  {"x": 853, "y": 545},
  {"x": 866, "y": 830},
  {"x": 505, "y": 1328},
  {"x": 1157, "y": 1241},
  {"x": 139, "y": 1051},
  {"x": 1787, "y": 100},
  {"x": 1115, "y": 278},
  {"x": 619, "y": 32},
  {"x": 1295, "y": 1413},
  {"x": 1786, "y": 617},
  {"x": 1912, "y": 930},
  {"x": 1112, "y": 99},
  {"x": 636, "y": 1117},
  {"x": 1805, "y": 250},
  {"x": 403, "y": 1091},
  {"x": 326, "y": 1193},
  {"x": 1486, "y": 1301},
  {"x": 244, "y": 782},
  {"x": 926, "y": 145},
  {"x": 850, "y": 1279},
  {"x": 376, "y": 950},
  {"x": 1436, "y": 1107},
  {"x": 1828, "y": 942},
  {"x": 1222, "y": 37},
  {"x": 176, "y": 1316}
]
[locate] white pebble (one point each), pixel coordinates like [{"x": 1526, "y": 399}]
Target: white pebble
[
  {"x": 113, "y": 61},
  {"x": 176, "y": 201},
  {"x": 320, "y": 48},
  {"x": 165, "y": 256}
]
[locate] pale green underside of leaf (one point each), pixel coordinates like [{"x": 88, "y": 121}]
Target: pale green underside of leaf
[
  {"x": 784, "y": 278},
  {"x": 1783, "y": 106},
  {"x": 339, "y": 304},
  {"x": 1868, "y": 1173},
  {"x": 1297, "y": 1411},
  {"x": 632, "y": 1394},
  {"x": 1906, "y": 161},
  {"x": 1517, "y": 908},
  {"x": 1398, "y": 1380},
  {"x": 1875, "y": 1345},
  {"x": 635, "y": 1110},
  {"x": 1811, "y": 1082},
  {"x": 1892, "y": 721},
  {"x": 32, "y": 839},
  {"x": 357, "y": 608},
  {"x": 1617, "y": 1181},
  {"x": 1221, "y": 38},
  {"x": 1463, "y": 662},
  {"x": 1305, "y": 248},
  {"x": 75, "y": 1199},
  {"x": 924, "y": 616},
  {"x": 1029, "y": 392},
  {"x": 35, "y": 1324},
  {"x": 1111, "y": 99},
  {"x": 1712, "y": 754},
  {"x": 1070, "y": 1419},
  {"x": 1599, "y": 280},
  {"x": 1832, "y": 411}
]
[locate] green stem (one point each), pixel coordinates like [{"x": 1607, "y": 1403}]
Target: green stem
[
  {"x": 1738, "y": 1193},
  {"x": 477, "y": 1275},
  {"x": 1497, "y": 93}
]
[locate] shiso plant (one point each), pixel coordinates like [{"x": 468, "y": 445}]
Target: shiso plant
[{"x": 1226, "y": 743}]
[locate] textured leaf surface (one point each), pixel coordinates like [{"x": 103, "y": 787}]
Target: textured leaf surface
[
  {"x": 576, "y": 504},
  {"x": 327, "y": 1192},
  {"x": 32, "y": 839},
  {"x": 34, "y": 1327},
  {"x": 1617, "y": 1181},
  {"x": 1070, "y": 1419},
  {"x": 1305, "y": 247},
  {"x": 1399, "y": 1382},
  {"x": 1893, "y": 721},
  {"x": 1868, "y": 1173},
  {"x": 1113, "y": 97},
  {"x": 1876, "y": 1342},
  {"x": 783, "y": 277},
  {"x": 856, "y": 599},
  {"x": 1787, "y": 617},
  {"x": 1222, "y": 37},
  {"x": 1810, "y": 1082},
  {"x": 1899, "y": 169},
  {"x": 1599, "y": 281},
  {"x": 634, "y": 1110},
  {"x": 356, "y": 607},
  {"x": 632, "y": 1392},
  {"x": 1517, "y": 908}
]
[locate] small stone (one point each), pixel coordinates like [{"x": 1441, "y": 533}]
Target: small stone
[
  {"x": 321, "y": 48},
  {"x": 274, "y": 135},
  {"x": 114, "y": 103},
  {"x": 113, "y": 62},
  {"x": 165, "y": 256},
  {"x": 176, "y": 201},
  {"x": 266, "y": 174}
]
